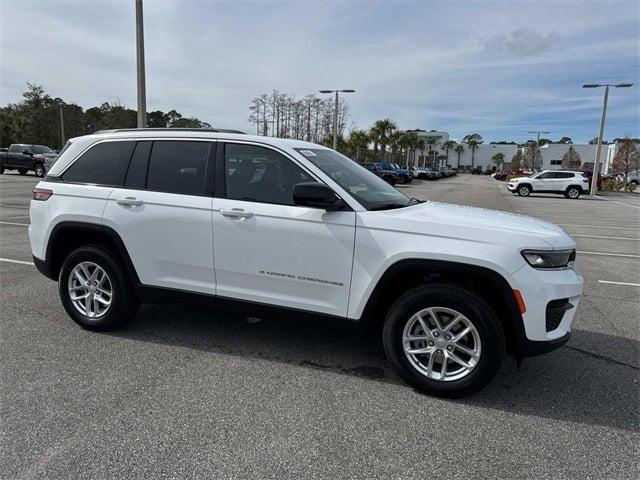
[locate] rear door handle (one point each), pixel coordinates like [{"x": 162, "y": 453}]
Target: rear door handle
[
  {"x": 129, "y": 201},
  {"x": 236, "y": 212}
]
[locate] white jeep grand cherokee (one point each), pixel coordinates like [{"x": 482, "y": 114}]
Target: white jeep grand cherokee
[{"x": 284, "y": 227}]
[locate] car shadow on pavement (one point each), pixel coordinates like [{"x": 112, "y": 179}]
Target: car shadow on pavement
[{"x": 569, "y": 384}]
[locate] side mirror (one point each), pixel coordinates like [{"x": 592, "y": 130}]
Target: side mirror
[{"x": 316, "y": 195}]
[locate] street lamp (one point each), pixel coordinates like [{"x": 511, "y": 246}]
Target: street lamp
[
  {"x": 142, "y": 94},
  {"x": 335, "y": 113},
  {"x": 596, "y": 162}
]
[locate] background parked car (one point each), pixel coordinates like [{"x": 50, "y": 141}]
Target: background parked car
[
  {"x": 403, "y": 175},
  {"x": 387, "y": 175},
  {"x": 25, "y": 157}
]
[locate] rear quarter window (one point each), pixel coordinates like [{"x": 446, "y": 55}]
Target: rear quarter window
[{"x": 103, "y": 164}]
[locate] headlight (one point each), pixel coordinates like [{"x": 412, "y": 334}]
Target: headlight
[{"x": 550, "y": 259}]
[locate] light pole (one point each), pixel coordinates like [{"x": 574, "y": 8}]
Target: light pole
[
  {"x": 142, "y": 94},
  {"x": 335, "y": 114},
  {"x": 61, "y": 128},
  {"x": 596, "y": 162},
  {"x": 538, "y": 132}
]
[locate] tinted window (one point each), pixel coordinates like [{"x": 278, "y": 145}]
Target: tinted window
[
  {"x": 542, "y": 176},
  {"x": 103, "y": 164},
  {"x": 564, "y": 175},
  {"x": 137, "y": 174},
  {"x": 259, "y": 174},
  {"x": 178, "y": 167}
]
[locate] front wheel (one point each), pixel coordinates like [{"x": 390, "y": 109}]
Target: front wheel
[
  {"x": 572, "y": 193},
  {"x": 443, "y": 340},
  {"x": 95, "y": 289},
  {"x": 39, "y": 170},
  {"x": 22, "y": 171},
  {"x": 524, "y": 190}
]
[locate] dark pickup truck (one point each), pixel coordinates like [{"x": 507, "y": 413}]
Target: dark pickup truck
[{"x": 24, "y": 157}]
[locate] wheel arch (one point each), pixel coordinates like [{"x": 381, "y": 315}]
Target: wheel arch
[
  {"x": 67, "y": 236},
  {"x": 490, "y": 285}
]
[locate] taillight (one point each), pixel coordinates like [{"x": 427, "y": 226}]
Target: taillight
[{"x": 41, "y": 193}]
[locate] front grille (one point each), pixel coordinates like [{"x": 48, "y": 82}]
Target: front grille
[{"x": 555, "y": 312}]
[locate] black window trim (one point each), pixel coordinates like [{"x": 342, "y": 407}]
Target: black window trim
[
  {"x": 221, "y": 186},
  {"x": 60, "y": 176},
  {"x": 208, "y": 161},
  {"x": 211, "y": 160}
]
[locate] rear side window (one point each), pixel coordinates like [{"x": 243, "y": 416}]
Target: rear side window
[
  {"x": 103, "y": 164},
  {"x": 564, "y": 175},
  {"x": 178, "y": 167}
]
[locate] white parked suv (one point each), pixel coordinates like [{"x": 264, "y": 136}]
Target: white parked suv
[
  {"x": 284, "y": 227},
  {"x": 570, "y": 184}
]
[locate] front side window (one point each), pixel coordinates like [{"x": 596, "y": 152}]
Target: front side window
[
  {"x": 371, "y": 191},
  {"x": 103, "y": 164},
  {"x": 178, "y": 167},
  {"x": 258, "y": 174},
  {"x": 41, "y": 149}
]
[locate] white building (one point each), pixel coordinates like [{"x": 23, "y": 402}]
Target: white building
[{"x": 482, "y": 156}]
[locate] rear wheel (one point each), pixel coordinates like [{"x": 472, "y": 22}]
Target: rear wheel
[
  {"x": 95, "y": 289},
  {"x": 524, "y": 190},
  {"x": 1, "y": 169},
  {"x": 443, "y": 340},
  {"x": 572, "y": 193},
  {"x": 39, "y": 170},
  {"x": 23, "y": 171}
]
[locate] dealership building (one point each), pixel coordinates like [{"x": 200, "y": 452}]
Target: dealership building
[{"x": 552, "y": 154}]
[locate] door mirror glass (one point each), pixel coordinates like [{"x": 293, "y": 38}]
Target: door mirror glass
[{"x": 316, "y": 195}]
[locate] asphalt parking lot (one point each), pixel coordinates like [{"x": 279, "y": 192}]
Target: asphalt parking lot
[{"x": 185, "y": 392}]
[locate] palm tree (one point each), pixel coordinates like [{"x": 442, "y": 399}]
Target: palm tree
[
  {"x": 498, "y": 159},
  {"x": 358, "y": 144},
  {"x": 473, "y": 140},
  {"x": 448, "y": 145},
  {"x": 459, "y": 149},
  {"x": 380, "y": 132},
  {"x": 395, "y": 139}
]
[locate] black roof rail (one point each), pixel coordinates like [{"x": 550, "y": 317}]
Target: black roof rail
[{"x": 164, "y": 129}]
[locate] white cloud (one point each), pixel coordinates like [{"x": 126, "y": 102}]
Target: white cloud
[{"x": 522, "y": 42}]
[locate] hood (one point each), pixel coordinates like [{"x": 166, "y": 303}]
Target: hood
[
  {"x": 477, "y": 224},
  {"x": 45, "y": 155},
  {"x": 517, "y": 179}
]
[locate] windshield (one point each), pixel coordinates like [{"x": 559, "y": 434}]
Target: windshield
[
  {"x": 367, "y": 188},
  {"x": 41, "y": 149}
]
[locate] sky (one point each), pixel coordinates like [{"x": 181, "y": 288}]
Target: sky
[{"x": 498, "y": 68}]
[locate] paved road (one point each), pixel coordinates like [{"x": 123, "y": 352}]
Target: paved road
[{"x": 185, "y": 392}]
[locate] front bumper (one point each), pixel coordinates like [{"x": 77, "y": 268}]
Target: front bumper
[
  {"x": 539, "y": 288},
  {"x": 512, "y": 187}
]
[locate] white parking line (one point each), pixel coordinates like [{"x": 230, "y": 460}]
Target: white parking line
[
  {"x": 15, "y": 224},
  {"x": 597, "y": 226},
  {"x": 619, "y": 283},
  {"x": 13, "y": 206},
  {"x": 601, "y": 236},
  {"x": 617, "y": 201},
  {"x": 609, "y": 254},
  {"x": 10, "y": 260}
]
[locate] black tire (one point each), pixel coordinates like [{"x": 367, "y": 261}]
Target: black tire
[
  {"x": 474, "y": 309},
  {"x": 23, "y": 171},
  {"x": 524, "y": 190},
  {"x": 39, "y": 170},
  {"x": 124, "y": 302},
  {"x": 404, "y": 180},
  {"x": 573, "y": 193},
  {"x": 1, "y": 169}
]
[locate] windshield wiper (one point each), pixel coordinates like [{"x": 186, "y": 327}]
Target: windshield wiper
[{"x": 388, "y": 206}]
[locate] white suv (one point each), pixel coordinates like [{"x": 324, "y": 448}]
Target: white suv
[
  {"x": 283, "y": 227},
  {"x": 570, "y": 184}
]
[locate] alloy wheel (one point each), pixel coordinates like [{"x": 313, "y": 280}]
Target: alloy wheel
[
  {"x": 90, "y": 290},
  {"x": 441, "y": 344}
]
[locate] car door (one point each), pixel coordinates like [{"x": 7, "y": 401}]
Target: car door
[
  {"x": 268, "y": 250},
  {"x": 543, "y": 182},
  {"x": 162, "y": 212}
]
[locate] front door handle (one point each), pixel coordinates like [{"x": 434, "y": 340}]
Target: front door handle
[
  {"x": 129, "y": 201},
  {"x": 236, "y": 212}
]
